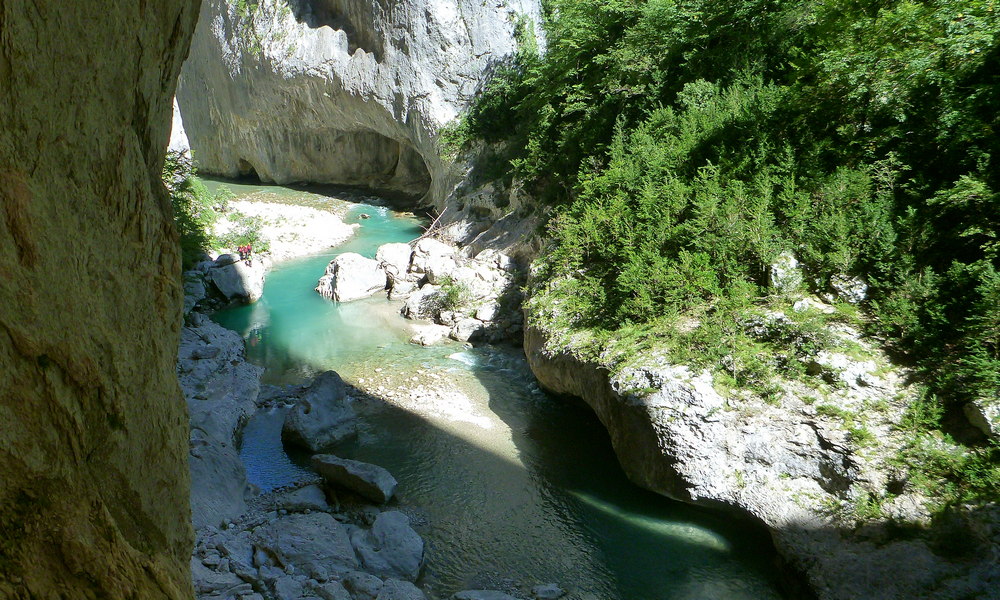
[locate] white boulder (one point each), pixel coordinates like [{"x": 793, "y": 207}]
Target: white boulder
[{"x": 351, "y": 276}]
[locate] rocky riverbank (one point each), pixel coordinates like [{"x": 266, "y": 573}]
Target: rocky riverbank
[
  {"x": 291, "y": 231},
  {"x": 465, "y": 298},
  {"x": 311, "y": 541},
  {"x": 338, "y": 535},
  {"x": 816, "y": 465}
]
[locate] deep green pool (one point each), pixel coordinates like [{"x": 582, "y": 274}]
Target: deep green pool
[{"x": 505, "y": 483}]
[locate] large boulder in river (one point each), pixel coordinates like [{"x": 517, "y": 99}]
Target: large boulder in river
[
  {"x": 351, "y": 276},
  {"x": 371, "y": 481},
  {"x": 323, "y": 415},
  {"x": 390, "y": 548},
  {"x": 238, "y": 279}
]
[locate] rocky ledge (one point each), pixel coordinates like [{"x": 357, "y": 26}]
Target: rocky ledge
[{"x": 804, "y": 467}]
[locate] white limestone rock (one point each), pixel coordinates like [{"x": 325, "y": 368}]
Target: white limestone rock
[
  {"x": 849, "y": 288},
  {"x": 355, "y": 99},
  {"x": 785, "y": 463},
  {"x": 351, "y": 276},
  {"x": 467, "y": 330},
  {"x": 785, "y": 274},
  {"x": 236, "y": 279},
  {"x": 428, "y": 335},
  {"x": 395, "y": 259},
  {"x": 424, "y": 303},
  {"x": 985, "y": 416}
]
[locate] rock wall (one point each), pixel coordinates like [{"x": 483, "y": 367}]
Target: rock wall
[
  {"x": 93, "y": 446},
  {"x": 340, "y": 91},
  {"x": 787, "y": 467}
]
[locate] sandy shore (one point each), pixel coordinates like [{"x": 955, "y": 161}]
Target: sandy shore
[{"x": 292, "y": 230}]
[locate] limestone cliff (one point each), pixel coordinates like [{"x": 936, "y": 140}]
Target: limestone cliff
[
  {"x": 798, "y": 466},
  {"x": 93, "y": 442},
  {"x": 340, "y": 91}
]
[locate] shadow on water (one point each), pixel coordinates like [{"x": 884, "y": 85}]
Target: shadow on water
[
  {"x": 506, "y": 483},
  {"x": 652, "y": 547}
]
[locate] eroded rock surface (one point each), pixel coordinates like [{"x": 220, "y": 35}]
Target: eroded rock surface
[
  {"x": 221, "y": 390},
  {"x": 352, "y": 92},
  {"x": 806, "y": 467},
  {"x": 322, "y": 416},
  {"x": 94, "y": 499}
]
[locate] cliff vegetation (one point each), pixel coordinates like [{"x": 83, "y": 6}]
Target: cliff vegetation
[{"x": 681, "y": 149}]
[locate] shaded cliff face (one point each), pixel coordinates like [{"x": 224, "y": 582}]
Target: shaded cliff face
[
  {"x": 788, "y": 466},
  {"x": 93, "y": 446},
  {"x": 340, "y": 91}
]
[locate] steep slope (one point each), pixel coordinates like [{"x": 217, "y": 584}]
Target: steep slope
[{"x": 93, "y": 447}]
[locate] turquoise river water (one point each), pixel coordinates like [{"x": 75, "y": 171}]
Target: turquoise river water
[{"x": 508, "y": 485}]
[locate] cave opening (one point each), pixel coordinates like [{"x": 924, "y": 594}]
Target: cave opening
[
  {"x": 341, "y": 15},
  {"x": 247, "y": 172}
]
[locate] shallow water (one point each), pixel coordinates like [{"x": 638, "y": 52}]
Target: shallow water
[{"x": 505, "y": 483}]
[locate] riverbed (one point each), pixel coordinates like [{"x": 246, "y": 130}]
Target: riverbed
[{"x": 509, "y": 486}]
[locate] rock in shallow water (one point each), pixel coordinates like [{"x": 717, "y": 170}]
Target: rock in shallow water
[
  {"x": 237, "y": 280},
  {"x": 322, "y": 417},
  {"x": 368, "y": 480},
  {"x": 548, "y": 591},
  {"x": 351, "y": 276}
]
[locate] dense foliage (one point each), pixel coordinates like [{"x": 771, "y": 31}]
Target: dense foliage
[
  {"x": 681, "y": 145},
  {"x": 197, "y": 210}
]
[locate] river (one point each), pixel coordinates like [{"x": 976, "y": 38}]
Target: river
[{"x": 508, "y": 485}]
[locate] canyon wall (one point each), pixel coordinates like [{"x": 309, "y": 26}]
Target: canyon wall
[
  {"x": 341, "y": 91},
  {"x": 93, "y": 441}
]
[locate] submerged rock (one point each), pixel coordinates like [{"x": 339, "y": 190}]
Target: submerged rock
[
  {"x": 548, "y": 591},
  {"x": 323, "y": 415},
  {"x": 351, "y": 276},
  {"x": 368, "y": 480}
]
